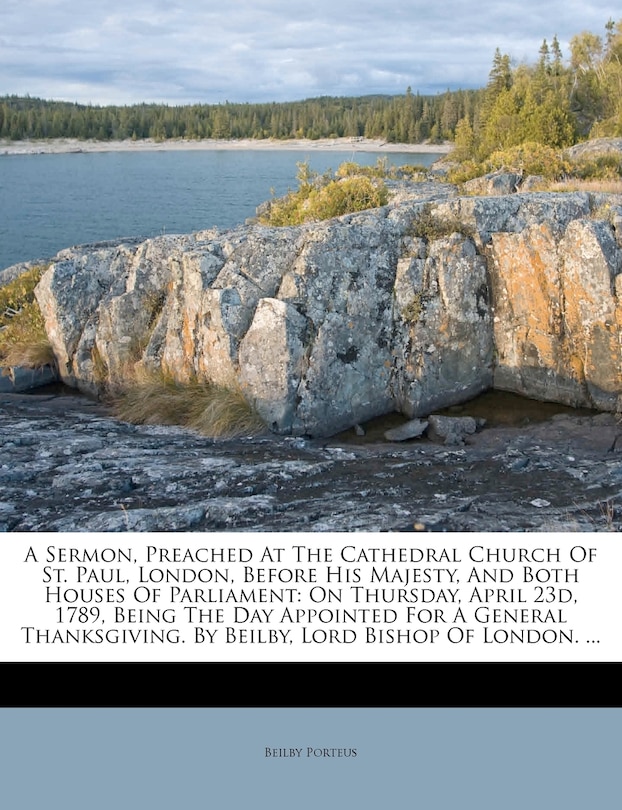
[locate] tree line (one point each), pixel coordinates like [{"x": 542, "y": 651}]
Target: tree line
[
  {"x": 408, "y": 118},
  {"x": 556, "y": 101}
]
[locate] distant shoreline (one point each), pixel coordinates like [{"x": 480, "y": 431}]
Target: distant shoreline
[{"x": 63, "y": 146}]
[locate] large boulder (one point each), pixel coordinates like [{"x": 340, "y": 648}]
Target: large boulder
[
  {"x": 558, "y": 322},
  {"x": 328, "y": 324},
  {"x": 442, "y": 343},
  {"x": 594, "y": 148},
  {"x": 494, "y": 184}
]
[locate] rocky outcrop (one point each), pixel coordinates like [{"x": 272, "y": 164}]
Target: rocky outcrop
[
  {"x": 558, "y": 316},
  {"x": 494, "y": 184},
  {"x": 328, "y": 324},
  {"x": 595, "y": 147}
]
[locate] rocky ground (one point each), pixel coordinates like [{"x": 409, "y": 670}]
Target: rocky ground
[{"x": 67, "y": 465}]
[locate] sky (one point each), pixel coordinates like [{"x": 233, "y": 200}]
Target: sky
[{"x": 209, "y": 51}]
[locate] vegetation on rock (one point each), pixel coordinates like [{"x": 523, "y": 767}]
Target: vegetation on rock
[
  {"x": 430, "y": 227},
  {"x": 528, "y": 115},
  {"x": 529, "y": 158},
  {"x": 156, "y": 398},
  {"x": 23, "y": 339},
  {"x": 142, "y": 397},
  {"x": 322, "y": 197}
]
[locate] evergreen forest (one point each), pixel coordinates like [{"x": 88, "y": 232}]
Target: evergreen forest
[{"x": 556, "y": 101}]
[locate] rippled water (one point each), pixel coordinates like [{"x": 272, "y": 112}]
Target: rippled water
[{"x": 48, "y": 202}]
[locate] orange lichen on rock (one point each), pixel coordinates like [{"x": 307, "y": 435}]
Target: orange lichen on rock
[
  {"x": 526, "y": 290},
  {"x": 591, "y": 312},
  {"x": 557, "y": 323}
]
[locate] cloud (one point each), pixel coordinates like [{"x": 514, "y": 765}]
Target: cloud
[{"x": 269, "y": 50}]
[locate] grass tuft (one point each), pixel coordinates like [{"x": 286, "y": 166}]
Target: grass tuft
[
  {"x": 570, "y": 185},
  {"x": 31, "y": 353},
  {"x": 426, "y": 225},
  {"x": 23, "y": 339},
  {"x": 155, "y": 398},
  {"x": 412, "y": 312}
]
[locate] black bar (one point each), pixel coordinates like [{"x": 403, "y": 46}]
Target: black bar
[{"x": 383, "y": 685}]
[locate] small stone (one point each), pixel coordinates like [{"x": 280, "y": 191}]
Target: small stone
[
  {"x": 453, "y": 429},
  {"x": 540, "y": 503},
  {"x": 359, "y": 430},
  {"x": 409, "y": 430}
]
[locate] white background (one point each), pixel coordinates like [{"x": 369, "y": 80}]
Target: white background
[{"x": 592, "y": 615}]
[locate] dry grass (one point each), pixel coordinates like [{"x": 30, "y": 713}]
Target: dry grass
[
  {"x": 609, "y": 520},
  {"x": 426, "y": 225},
  {"x": 100, "y": 369},
  {"x": 35, "y": 354},
  {"x": 23, "y": 339},
  {"x": 153, "y": 398},
  {"x": 601, "y": 516},
  {"x": 604, "y": 186}
]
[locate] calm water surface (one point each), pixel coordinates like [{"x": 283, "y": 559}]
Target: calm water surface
[{"x": 49, "y": 202}]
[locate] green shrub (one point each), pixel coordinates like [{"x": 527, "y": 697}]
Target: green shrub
[
  {"x": 322, "y": 197},
  {"x": 19, "y": 291},
  {"x": 349, "y": 169},
  {"x": 412, "y": 171},
  {"x": 23, "y": 339},
  {"x": 344, "y": 197},
  {"x": 467, "y": 170},
  {"x": 284, "y": 211},
  {"x": 533, "y": 158},
  {"x": 381, "y": 170},
  {"x": 606, "y": 166},
  {"x": 529, "y": 158}
]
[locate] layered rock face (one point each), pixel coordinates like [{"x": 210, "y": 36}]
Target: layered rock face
[
  {"x": 328, "y": 324},
  {"x": 562, "y": 299}
]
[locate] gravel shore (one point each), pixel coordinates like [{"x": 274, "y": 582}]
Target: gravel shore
[{"x": 66, "y": 146}]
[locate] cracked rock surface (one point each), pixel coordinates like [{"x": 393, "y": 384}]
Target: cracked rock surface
[{"x": 67, "y": 465}]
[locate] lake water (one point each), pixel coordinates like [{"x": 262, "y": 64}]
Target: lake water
[{"x": 49, "y": 202}]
